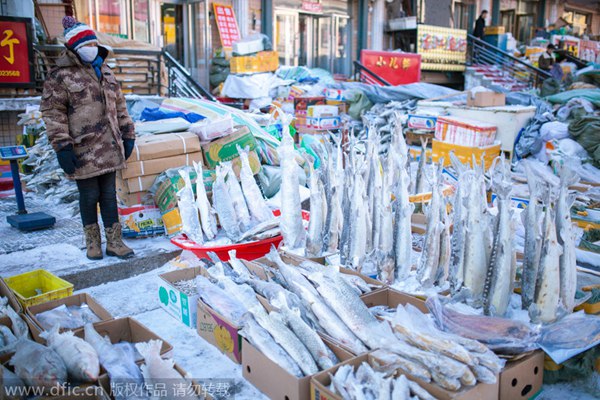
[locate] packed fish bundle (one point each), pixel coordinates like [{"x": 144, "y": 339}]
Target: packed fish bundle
[
  {"x": 502, "y": 335},
  {"x": 368, "y": 383},
  {"x": 426, "y": 352},
  {"x": 238, "y": 212},
  {"x": 67, "y": 317},
  {"x": 47, "y": 178}
]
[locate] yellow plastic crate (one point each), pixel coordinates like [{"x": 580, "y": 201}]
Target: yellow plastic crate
[
  {"x": 465, "y": 154},
  {"x": 265, "y": 61},
  {"x": 27, "y": 285}
]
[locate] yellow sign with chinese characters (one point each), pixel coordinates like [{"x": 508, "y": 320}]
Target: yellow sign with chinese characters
[{"x": 442, "y": 49}]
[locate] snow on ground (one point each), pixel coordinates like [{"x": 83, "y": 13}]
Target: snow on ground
[
  {"x": 63, "y": 256},
  {"x": 137, "y": 297}
]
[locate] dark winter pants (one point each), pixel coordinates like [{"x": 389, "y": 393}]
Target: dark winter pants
[{"x": 98, "y": 190}]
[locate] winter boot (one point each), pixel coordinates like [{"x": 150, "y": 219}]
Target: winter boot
[
  {"x": 93, "y": 241},
  {"x": 114, "y": 242}
]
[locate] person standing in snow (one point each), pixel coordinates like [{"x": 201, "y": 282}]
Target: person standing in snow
[
  {"x": 480, "y": 25},
  {"x": 89, "y": 128}
]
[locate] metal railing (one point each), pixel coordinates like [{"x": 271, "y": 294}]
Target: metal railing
[
  {"x": 181, "y": 82},
  {"x": 144, "y": 72},
  {"x": 364, "y": 74},
  {"x": 483, "y": 53}
]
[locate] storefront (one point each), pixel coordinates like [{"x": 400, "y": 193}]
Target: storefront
[{"x": 314, "y": 34}]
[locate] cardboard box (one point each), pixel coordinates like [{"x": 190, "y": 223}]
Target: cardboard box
[
  {"x": 465, "y": 153},
  {"x": 335, "y": 94},
  {"x": 302, "y": 103},
  {"x": 12, "y": 299},
  {"x": 156, "y": 166},
  {"x": 141, "y": 221},
  {"x": 169, "y": 183},
  {"x": 522, "y": 379},
  {"x": 322, "y": 111},
  {"x": 171, "y": 387},
  {"x": 464, "y": 131},
  {"x": 320, "y": 385},
  {"x": 494, "y": 30},
  {"x": 134, "y": 199},
  {"x": 426, "y": 122},
  {"x": 323, "y": 123},
  {"x": 341, "y": 105},
  {"x": 140, "y": 183},
  {"x": 264, "y": 61},
  {"x": 225, "y": 149},
  {"x": 165, "y": 145},
  {"x": 219, "y": 331},
  {"x": 74, "y": 300},
  {"x": 274, "y": 381},
  {"x": 129, "y": 330},
  {"x": 181, "y": 306},
  {"x": 486, "y": 99},
  {"x": 392, "y": 298}
]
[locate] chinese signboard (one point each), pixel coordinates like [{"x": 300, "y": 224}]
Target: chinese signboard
[
  {"x": 566, "y": 42},
  {"x": 442, "y": 49},
  {"x": 312, "y": 6},
  {"x": 395, "y": 68},
  {"x": 16, "y": 53},
  {"x": 589, "y": 50},
  {"x": 227, "y": 25}
]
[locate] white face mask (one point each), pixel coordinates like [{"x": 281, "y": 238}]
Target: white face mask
[{"x": 88, "y": 53}]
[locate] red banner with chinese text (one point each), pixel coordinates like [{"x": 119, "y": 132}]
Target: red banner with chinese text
[
  {"x": 15, "y": 52},
  {"x": 227, "y": 24},
  {"x": 395, "y": 68}
]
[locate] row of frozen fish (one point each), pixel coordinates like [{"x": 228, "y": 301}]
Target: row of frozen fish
[
  {"x": 238, "y": 211},
  {"x": 308, "y": 298}
]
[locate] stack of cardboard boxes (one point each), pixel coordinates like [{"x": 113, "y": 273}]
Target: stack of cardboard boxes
[
  {"x": 151, "y": 156},
  {"x": 251, "y": 57}
]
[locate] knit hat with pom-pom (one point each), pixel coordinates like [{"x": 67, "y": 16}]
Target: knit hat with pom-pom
[{"x": 77, "y": 34}]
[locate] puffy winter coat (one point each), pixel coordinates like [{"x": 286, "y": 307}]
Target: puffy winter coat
[{"x": 89, "y": 113}]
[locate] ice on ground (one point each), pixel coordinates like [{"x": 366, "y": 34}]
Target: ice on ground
[
  {"x": 411, "y": 285},
  {"x": 130, "y": 296}
]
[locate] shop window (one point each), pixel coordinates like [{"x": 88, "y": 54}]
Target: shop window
[
  {"x": 580, "y": 21},
  {"x": 141, "y": 24},
  {"x": 507, "y": 20}
]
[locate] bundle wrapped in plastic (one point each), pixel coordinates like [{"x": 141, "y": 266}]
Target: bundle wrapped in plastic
[
  {"x": 501, "y": 335},
  {"x": 38, "y": 365},
  {"x": 71, "y": 317}
]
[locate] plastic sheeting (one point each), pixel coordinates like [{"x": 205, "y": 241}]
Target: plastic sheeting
[
  {"x": 593, "y": 95},
  {"x": 529, "y": 140},
  {"x": 384, "y": 94}
]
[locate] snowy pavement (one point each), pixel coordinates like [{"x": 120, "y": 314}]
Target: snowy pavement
[{"x": 137, "y": 297}]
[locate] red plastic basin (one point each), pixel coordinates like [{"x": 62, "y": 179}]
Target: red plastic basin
[{"x": 248, "y": 251}]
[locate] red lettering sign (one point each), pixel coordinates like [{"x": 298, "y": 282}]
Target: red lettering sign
[
  {"x": 16, "y": 53},
  {"x": 227, "y": 25},
  {"x": 312, "y": 6},
  {"x": 395, "y": 68}
]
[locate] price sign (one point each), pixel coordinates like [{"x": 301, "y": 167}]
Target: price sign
[
  {"x": 16, "y": 53},
  {"x": 227, "y": 24},
  {"x": 13, "y": 152}
]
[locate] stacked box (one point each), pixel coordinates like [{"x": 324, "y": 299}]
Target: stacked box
[
  {"x": 464, "y": 131},
  {"x": 264, "y": 61},
  {"x": 152, "y": 155}
]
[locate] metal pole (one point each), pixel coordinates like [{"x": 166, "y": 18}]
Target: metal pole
[
  {"x": 266, "y": 23},
  {"x": 495, "y": 12},
  {"x": 14, "y": 169}
]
